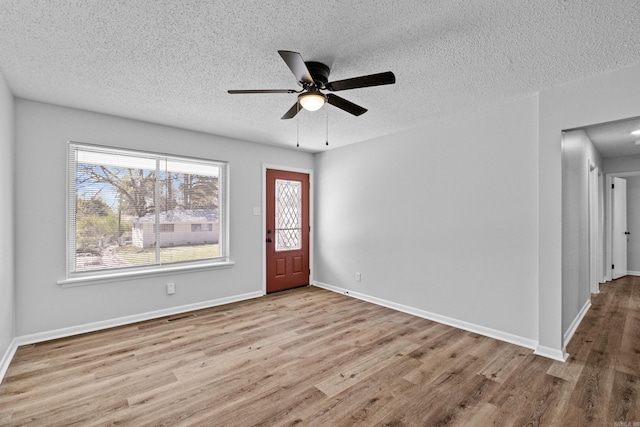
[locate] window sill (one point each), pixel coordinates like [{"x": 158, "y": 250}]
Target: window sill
[{"x": 128, "y": 275}]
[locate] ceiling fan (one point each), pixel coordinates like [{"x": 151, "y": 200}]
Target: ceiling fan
[{"x": 314, "y": 77}]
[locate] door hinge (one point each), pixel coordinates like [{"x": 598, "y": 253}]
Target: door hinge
[
  {"x": 613, "y": 266},
  {"x": 613, "y": 186}
]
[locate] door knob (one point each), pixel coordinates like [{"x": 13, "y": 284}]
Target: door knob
[
  {"x": 627, "y": 232},
  {"x": 269, "y": 240}
]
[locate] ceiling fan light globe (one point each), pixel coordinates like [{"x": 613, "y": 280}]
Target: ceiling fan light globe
[{"x": 312, "y": 101}]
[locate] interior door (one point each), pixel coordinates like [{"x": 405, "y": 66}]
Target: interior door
[
  {"x": 619, "y": 232},
  {"x": 287, "y": 234}
]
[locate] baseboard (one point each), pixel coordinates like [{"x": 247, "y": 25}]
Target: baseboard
[
  {"x": 576, "y": 322},
  {"x": 551, "y": 353},
  {"x": 7, "y": 357},
  {"x": 96, "y": 326},
  {"x": 633, "y": 273},
  {"x": 460, "y": 324}
]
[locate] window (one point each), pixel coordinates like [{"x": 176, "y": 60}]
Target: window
[
  {"x": 165, "y": 228},
  {"x": 130, "y": 211},
  {"x": 288, "y": 215},
  {"x": 201, "y": 227}
]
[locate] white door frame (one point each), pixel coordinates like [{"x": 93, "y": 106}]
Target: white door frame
[
  {"x": 601, "y": 242},
  {"x": 263, "y": 213},
  {"x": 594, "y": 242}
]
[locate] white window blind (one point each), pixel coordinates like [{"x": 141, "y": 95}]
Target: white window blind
[{"x": 137, "y": 210}]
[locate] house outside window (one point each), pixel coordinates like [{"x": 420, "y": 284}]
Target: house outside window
[{"x": 130, "y": 210}]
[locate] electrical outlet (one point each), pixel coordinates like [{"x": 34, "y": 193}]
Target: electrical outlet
[
  {"x": 171, "y": 288},
  {"x": 358, "y": 277}
]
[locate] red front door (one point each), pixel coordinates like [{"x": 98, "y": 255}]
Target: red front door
[{"x": 287, "y": 230}]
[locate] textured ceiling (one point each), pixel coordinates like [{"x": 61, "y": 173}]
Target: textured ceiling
[{"x": 171, "y": 61}]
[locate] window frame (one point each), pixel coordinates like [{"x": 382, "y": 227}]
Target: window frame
[{"x": 75, "y": 278}]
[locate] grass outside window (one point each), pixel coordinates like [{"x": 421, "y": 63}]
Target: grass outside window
[{"x": 142, "y": 256}]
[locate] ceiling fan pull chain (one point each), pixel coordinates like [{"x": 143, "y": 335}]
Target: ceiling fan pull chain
[
  {"x": 327, "y": 143},
  {"x": 298, "y": 127}
]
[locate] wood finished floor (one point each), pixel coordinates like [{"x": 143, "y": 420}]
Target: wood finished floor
[{"x": 317, "y": 358}]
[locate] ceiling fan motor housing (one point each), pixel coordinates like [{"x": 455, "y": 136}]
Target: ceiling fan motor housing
[{"x": 319, "y": 73}]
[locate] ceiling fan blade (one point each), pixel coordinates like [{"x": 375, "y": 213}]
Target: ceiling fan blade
[
  {"x": 379, "y": 79},
  {"x": 292, "y": 111},
  {"x": 296, "y": 65},
  {"x": 345, "y": 105},
  {"x": 235, "y": 92}
]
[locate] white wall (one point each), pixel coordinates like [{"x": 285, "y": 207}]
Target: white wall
[
  {"x": 603, "y": 98},
  {"x": 633, "y": 224},
  {"x": 42, "y": 132},
  {"x": 7, "y": 282},
  {"x": 622, "y": 164},
  {"x": 577, "y": 153},
  {"x": 441, "y": 218}
]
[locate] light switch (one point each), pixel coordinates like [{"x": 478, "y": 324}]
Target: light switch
[{"x": 256, "y": 211}]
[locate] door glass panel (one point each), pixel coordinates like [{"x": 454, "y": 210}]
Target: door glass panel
[{"x": 288, "y": 215}]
